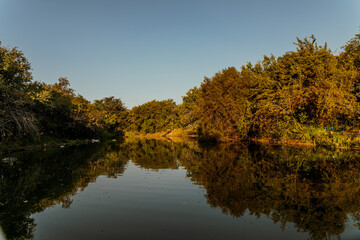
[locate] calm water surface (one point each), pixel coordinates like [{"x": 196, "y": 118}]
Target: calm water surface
[{"x": 180, "y": 190}]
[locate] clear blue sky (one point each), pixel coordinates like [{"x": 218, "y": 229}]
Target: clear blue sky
[{"x": 159, "y": 49}]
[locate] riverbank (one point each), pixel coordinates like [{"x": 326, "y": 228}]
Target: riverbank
[
  {"x": 170, "y": 134},
  {"x": 311, "y": 137},
  {"x": 318, "y": 138},
  {"x": 44, "y": 144}
]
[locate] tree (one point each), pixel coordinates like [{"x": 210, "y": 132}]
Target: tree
[
  {"x": 225, "y": 111},
  {"x": 307, "y": 86},
  {"x": 352, "y": 50},
  {"x": 60, "y": 112},
  {"x": 153, "y": 116},
  {"x": 109, "y": 114},
  {"x": 189, "y": 111},
  {"x": 352, "y": 54},
  {"x": 16, "y": 121}
]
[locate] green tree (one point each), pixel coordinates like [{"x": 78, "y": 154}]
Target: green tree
[
  {"x": 225, "y": 111},
  {"x": 109, "y": 114},
  {"x": 16, "y": 121},
  {"x": 352, "y": 54},
  {"x": 307, "y": 86},
  {"x": 352, "y": 50},
  {"x": 153, "y": 116},
  {"x": 60, "y": 112},
  {"x": 189, "y": 111}
]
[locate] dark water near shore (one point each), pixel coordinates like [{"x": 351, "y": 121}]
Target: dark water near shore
[{"x": 148, "y": 189}]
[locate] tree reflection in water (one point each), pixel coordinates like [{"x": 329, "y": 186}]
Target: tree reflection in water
[
  {"x": 41, "y": 179},
  {"x": 316, "y": 190}
]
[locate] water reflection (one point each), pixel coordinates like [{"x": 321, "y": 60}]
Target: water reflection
[
  {"x": 316, "y": 190},
  {"x": 40, "y": 179},
  {"x": 313, "y": 190}
]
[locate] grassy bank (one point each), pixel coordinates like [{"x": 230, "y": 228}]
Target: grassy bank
[{"x": 307, "y": 136}]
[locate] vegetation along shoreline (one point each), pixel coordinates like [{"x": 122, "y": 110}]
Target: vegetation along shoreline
[{"x": 309, "y": 97}]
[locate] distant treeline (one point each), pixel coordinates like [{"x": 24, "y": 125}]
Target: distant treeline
[{"x": 310, "y": 94}]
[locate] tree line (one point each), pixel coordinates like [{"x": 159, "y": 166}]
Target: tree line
[{"x": 307, "y": 94}]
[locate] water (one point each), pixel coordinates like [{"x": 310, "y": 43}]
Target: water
[{"x": 147, "y": 189}]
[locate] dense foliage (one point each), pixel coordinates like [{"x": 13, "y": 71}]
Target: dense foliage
[
  {"x": 15, "y": 118},
  {"x": 153, "y": 117},
  {"x": 299, "y": 96},
  {"x": 31, "y": 111},
  {"x": 295, "y": 96}
]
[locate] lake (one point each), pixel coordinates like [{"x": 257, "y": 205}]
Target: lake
[{"x": 152, "y": 189}]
